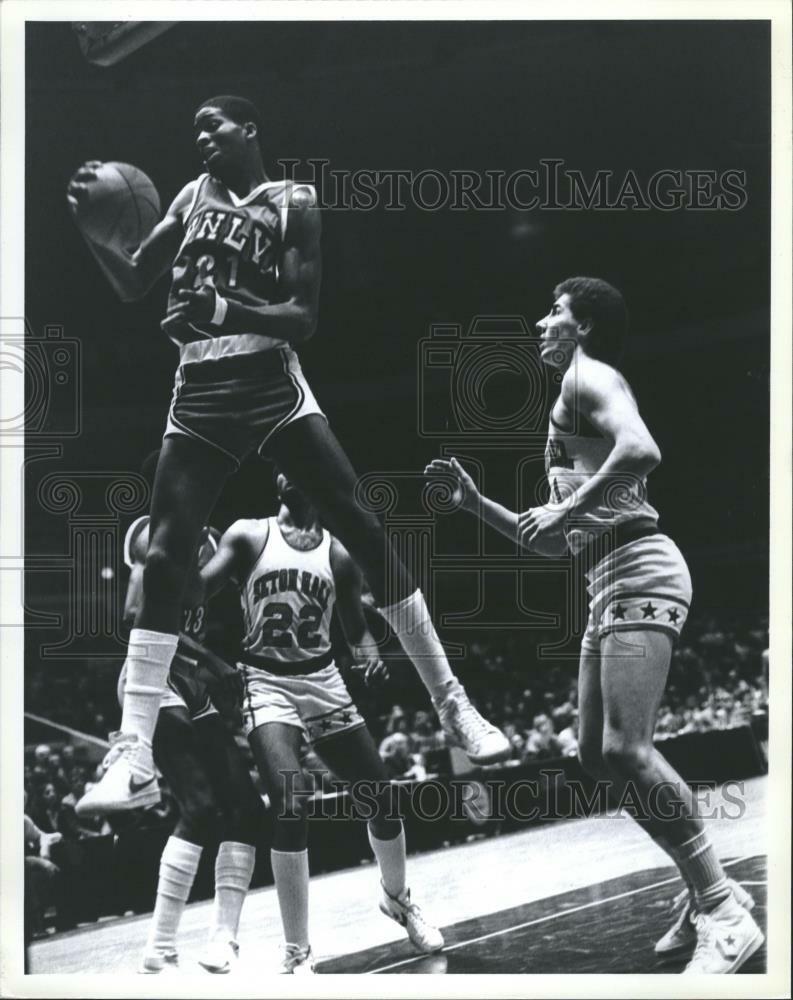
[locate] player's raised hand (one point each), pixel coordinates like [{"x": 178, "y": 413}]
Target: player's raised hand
[
  {"x": 79, "y": 189},
  {"x": 464, "y": 494}
]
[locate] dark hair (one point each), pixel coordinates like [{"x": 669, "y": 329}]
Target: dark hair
[
  {"x": 239, "y": 109},
  {"x": 600, "y": 302}
]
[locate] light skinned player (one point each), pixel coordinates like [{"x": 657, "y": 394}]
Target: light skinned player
[
  {"x": 598, "y": 457},
  {"x": 245, "y": 262},
  {"x": 291, "y": 574}
]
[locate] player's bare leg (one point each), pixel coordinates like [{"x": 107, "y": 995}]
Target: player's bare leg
[
  {"x": 310, "y": 455},
  {"x": 188, "y": 481},
  {"x": 353, "y": 757},
  {"x": 276, "y": 750},
  {"x": 633, "y": 674}
]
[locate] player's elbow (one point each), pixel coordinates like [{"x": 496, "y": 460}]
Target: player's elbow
[
  {"x": 642, "y": 456},
  {"x": 305, "y": 324}
]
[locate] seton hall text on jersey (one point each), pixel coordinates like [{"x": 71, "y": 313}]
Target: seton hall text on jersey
[
  {"x": 236, "y": 231},
  {"x": 278, "y": 581}
]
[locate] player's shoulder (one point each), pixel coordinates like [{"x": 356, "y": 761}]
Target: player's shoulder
[
  {"x": 247, "y": 530},
  {"x": 302, "y": 195},
  {"x": 587, "y": 378},
  {"x": 291, "y": 194},
  {"x": 186, "y": 197}
]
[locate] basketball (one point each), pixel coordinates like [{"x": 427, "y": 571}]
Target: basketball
[{"x": 122, "y": 208}]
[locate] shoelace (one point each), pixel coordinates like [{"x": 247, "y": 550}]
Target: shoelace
[
  {"x": 294, "y": 955},
  {"x": 117, "y": 747},
  {"x": 465, "y": 715},
  {"x": 418, "y": 917},
  {"x": 704, "y": 926}
]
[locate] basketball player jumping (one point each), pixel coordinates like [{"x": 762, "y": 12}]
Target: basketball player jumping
[
  {"x": 208, "y": 777},
  {"x": 598, "y": 456},
  {"x": 245, "y": 267},
  {"x": 291, "y": 573}
]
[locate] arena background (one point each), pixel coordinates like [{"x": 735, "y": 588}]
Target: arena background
[{"x": 617, "y": 96}]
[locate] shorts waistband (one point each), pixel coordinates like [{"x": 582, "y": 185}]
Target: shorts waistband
[
  {"x": 612, "y": 539},
  {"x": 285, "y": 668},
  {"x": 240, "y": 366}
]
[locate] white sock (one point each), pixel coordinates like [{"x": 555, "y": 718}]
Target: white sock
[
  {"x": 178, "y": 866},
  {"x": 233, "y": 872},
  {"x": 702, "y": 870},
  {"x": 410, "y": 620},
  {"x": 148, "y": 661},
  {"x": 390, "y": 855},
  {"x": 290, "y": 869}
]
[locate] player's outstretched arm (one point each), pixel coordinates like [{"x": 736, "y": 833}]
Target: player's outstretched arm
[
  {"x": 237, "y": 551},
  {"x": 467, "y": 497},
  {"x": 507, "y": 522},
  {"x": 348, "y": 580},
  {"x": 132, "y": 274},
  {"x": 300, "y": 270}
]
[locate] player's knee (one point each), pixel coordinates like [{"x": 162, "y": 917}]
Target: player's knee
[
  {"x": 385, "y": 827},
  {"x": 288, "y": 802},
  {"x": 163, "y": 575},
  {"x": 591, "y": 759},
  {"x": 355, "y": 522},
  {"x": 626, "y": 756},
  {"x": 244, "y": 824},
  {"x": 201, "y": 817}
]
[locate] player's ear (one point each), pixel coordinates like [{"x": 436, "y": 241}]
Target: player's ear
[{"x": 251, "y": 131}]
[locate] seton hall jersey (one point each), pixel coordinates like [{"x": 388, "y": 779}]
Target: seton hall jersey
[
  {"x": 571, "y": 459},
  {"x": 287, "y": 604},
  {"x": 234, "y": 244}
]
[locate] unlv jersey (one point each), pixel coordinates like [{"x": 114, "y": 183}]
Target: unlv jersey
[
  {"x": 571, "y": 459},
  {"x": 235, "y": 245},
  {"x": 287, "y": 604}
]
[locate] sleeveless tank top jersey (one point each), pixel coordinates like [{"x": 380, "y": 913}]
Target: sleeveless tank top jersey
[
  {"x": 233, "y": 244},
  {"x": 571, "y": 459},
  {"x": 287, "y": 604}
]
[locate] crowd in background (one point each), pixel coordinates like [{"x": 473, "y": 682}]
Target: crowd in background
[{"x": 718, "y": 680}]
